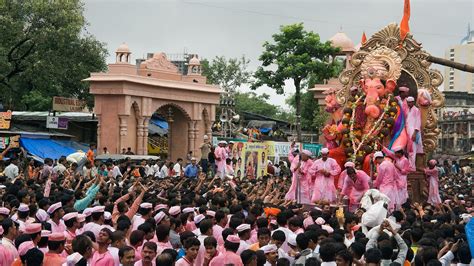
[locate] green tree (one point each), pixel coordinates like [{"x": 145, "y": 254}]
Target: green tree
[
  {"x": 295, "y": 54},
  {"x": 308, "y": 109},
  {"x": 45, "y": 51},
  {"x": 253, "y": 103},
  {"x": 232, "y": 73},
  {"x": 229, "y": 74}
]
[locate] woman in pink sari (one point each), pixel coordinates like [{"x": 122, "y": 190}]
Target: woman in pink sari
[{"x": 432, "y": 173}]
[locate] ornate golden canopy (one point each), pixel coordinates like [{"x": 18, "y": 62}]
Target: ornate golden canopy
[{"x": 415, "y": 74}]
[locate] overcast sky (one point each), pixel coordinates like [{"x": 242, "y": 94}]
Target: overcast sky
[{"x": 234, "y": 28}]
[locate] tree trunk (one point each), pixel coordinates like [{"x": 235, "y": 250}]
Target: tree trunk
[
  {"x": 298, "y": 109},
  {"x": 449, "y": 63}
]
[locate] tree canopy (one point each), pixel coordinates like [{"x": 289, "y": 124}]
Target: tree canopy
[
  {"x": 229, "y": 74},
  {"x": 298, "y": 55},
  {"x": 312, "y": 117},
  {"x": 257, "y": 104},
  {"x": 45, "y": 51}
]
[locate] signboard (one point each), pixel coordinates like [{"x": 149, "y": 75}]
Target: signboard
[
  {"x": 68, "y": 104},
  {"x": 251, "y": 159},
  {"x": 12, "y": 141},
  {"x": 314, "y": 148},
  {"x": 56, "y": 122},
  {"x": 5, "y": 119}
]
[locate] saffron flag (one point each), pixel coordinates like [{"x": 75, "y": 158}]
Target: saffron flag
[
  {"x": 364, "y": 38},
  {"x": 404, "y": 27}
]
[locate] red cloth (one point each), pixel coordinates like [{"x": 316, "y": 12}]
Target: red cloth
[{"x": 339, "y": 155}]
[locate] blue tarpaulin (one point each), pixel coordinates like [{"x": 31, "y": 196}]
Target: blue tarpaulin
[
  {"x": 159, "y": 122},
  {"x": 50, "y": 148}
]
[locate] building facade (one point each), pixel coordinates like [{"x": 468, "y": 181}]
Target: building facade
[
  {"x": 127, "y": 96},
  {"x": 456, "y": 123},
  {"x": 457, "y": 80},
  {"x": 456, "y": 118}
]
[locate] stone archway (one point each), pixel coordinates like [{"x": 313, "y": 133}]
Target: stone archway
[
  {"x": 127, "y": 96},
  {"x": 178, "y": 127}
]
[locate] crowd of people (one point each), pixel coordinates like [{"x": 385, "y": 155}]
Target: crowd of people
[{"x": 143, "y": 213}]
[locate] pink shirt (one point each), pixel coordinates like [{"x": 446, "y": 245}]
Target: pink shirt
[
  {"x": 104, "y": 259},
  {"x": 57, "y": 228},
  {"x": 10, "y": 251},
  {"x": 162, "y": 246},
  {"x": 5, "y": 257},
  {"x": 140, "y": 263},
  {"x": 228, "y": 257},
  {"x": 217, "y": 233},
  {"x": 69, "y": 236}
]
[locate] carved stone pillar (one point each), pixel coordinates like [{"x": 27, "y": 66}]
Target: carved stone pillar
[
  {"x": 123, "y": 132},
  {"x": 170, "y": 121},
  {"x": 140, "y": 134},
  {"x": 192, "y": 136},
  {"x": 145, "y": 134},
  {"x": 99, "y": 148},
  {"x": 208, "y": 129}
]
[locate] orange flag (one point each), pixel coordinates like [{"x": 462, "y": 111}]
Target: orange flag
[
  {"x": 364, "y": 38},
  {"x": 404, "y": 27}
]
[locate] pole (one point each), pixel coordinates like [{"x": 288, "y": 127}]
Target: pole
[{"x": 449, "y": 63}]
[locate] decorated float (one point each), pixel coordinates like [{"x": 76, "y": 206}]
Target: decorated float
[{"x": 366, "y": 112}]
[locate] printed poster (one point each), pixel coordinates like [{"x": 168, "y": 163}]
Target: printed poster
[{"x": 250, "y": 159}]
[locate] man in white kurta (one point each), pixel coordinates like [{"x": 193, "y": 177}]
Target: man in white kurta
[
  {"x": 413, "y": 127},
  {"x": 221, "y": 155}
]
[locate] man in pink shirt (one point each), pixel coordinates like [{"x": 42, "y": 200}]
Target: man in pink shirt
[
  {"x": 324, "y": 171},
  {"x": 10, "y": 232},
  {"x": 163, "y": 237},
  {"x": 355, "y": 184},
  {"x": 221, "y": 155},
  {"x": 387, "y": 180},
  {"x": 413, "y": 128},
  {"x": 148, "y": 255},
  {"x": 300, "y": 189},
  {"x": 221, "y": 222},
  {"x": 102, "y": 256},
  {"x": 229, "y": 256},
  {"x": 70, "y": 221},
  {"x": 403, "y": 169},
  {"x": 56, "y": 212}
]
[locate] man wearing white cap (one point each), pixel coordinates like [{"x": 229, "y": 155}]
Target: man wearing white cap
[
  {"x": 404, "y": 92},
  {"x": 243, "y": 231},
  {"x": 271, "y": 254},
  {"x": 387, "y": 180},
  {"x": 355, "y": 184},
  {"x": 221, "y": 155},
  {"x": 413, "y": 128},
  {"x": 300, "y": 189},
  {"x": 205, "y": 150},
  {"x": 324, "y": 171},
  {"x": 403, "y": 169},
  {"x": 144, "y": 212},
  {"x": 97, "y": 222}
]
